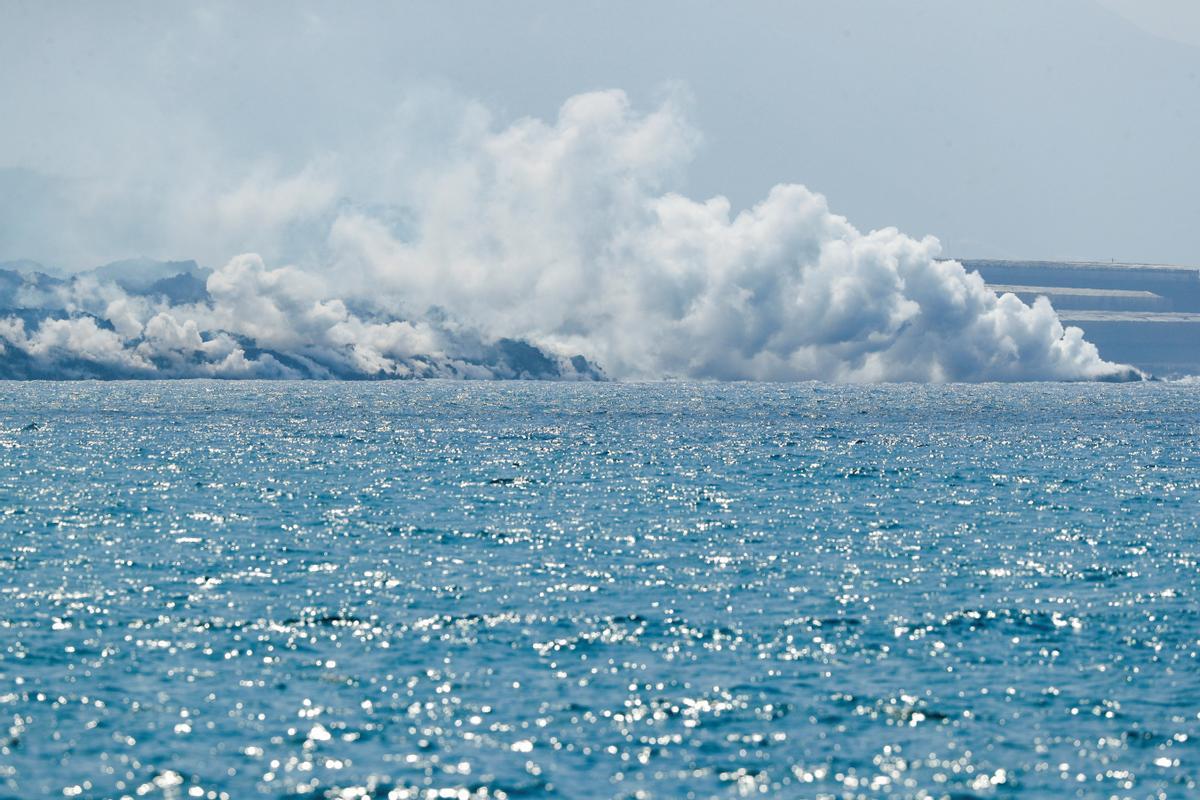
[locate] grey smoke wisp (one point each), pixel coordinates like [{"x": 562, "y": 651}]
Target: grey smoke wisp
[{"x": 540, "y": 249}]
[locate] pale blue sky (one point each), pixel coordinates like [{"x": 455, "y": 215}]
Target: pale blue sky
[{"x": 1014, "y": 128}]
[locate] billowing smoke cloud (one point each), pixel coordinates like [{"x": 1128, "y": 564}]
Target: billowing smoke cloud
[{"x": 546, "y": 250}]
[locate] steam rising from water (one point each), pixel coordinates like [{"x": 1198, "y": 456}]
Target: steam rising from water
[{"x": 552, "y": 249}]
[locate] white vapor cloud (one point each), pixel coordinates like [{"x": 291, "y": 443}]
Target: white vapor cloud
[{"x": 508, "y": 251}]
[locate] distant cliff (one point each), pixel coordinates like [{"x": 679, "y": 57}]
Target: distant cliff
[{"x": 1147, "y": 315}]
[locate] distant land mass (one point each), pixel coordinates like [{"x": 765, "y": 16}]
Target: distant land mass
[
  {"x": 1145, "y": 315},
  {"x": 23, "y": 283}
]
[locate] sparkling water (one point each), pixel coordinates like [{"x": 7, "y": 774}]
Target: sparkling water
[{"x": 547, "y": 590}]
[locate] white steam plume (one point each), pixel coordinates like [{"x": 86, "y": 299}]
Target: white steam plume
[{"x": 519, "y": 248}]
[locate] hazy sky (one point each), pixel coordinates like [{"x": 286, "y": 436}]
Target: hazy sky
[{"x": 1021, "y": 128}]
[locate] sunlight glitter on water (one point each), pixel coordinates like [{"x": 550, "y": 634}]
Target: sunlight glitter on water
[{"x": 436, "y": 590}]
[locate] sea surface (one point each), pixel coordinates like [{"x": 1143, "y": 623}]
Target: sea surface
[{"x": 402, "y": 590}]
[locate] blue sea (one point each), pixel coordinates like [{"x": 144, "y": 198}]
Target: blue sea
[{"x": 676, "y": 590}]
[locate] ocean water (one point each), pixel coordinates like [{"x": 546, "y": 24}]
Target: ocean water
[{"x": 233, "y": 590}]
